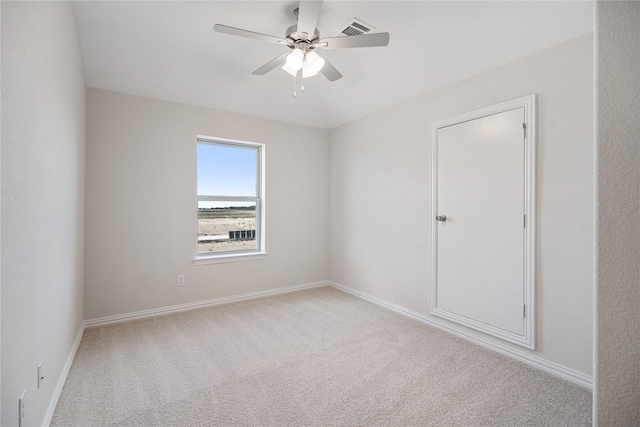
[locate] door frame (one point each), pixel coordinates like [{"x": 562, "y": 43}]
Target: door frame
[{"x": 529, "y": 139}]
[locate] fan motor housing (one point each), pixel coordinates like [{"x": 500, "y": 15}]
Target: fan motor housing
[{"x": 292, "y": 34}]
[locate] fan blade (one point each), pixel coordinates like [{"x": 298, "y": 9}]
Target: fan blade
[
  {"x": 330, "y": 71},
  {"x": 364, "y": 40},
  {"x": 276, "y": 62},
  {"x": 249, "y": 34},
  {"x": 308, "y": 13}
]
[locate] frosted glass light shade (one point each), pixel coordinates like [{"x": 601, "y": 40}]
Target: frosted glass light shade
[
  {"x": 307, "y": 71},
  {"x": 289, "y": 69},
  {"x": 314, "y": 61},
  {"x": 294, "y": 59}
]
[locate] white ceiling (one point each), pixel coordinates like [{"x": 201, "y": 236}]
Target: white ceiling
[{"x": 168, "y": 50}]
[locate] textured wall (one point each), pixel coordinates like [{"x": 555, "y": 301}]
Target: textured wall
[
  {"x": 141, "y": 204},
  {"x": 381, "y": 193},
  {"x": 617, "y": 385},
  {"x": 43, "y": 143}
]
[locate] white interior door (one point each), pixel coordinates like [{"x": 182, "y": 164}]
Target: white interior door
[{"x": 480, "y": 182}]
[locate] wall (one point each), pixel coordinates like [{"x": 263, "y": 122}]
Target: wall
[
  {"x": 43, "y": 142},
  {"x": 617, "y": 372},
  {"x": 141, "y": 204},
  {"x": 380, "y": 194}
]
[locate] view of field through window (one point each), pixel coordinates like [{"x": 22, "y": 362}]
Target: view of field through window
[
  {"x": 227, "y": 172},
  {"x": 216, "y": 226}
]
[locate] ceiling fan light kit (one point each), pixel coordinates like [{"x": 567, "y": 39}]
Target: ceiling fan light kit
[
  {"x": 310, "y": 63},
  {"x": 303, "y": 38}
]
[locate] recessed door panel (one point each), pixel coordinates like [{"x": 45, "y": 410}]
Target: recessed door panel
[{"x": 480, "y": 246}]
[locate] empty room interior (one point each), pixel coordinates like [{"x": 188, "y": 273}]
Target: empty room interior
[{"x": 320, "y": 213}]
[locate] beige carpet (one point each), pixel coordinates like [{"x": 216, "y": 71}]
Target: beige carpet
[{"x": 315, "y": 357}]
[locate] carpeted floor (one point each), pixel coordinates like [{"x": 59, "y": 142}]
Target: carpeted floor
[{"x": 314, "y": 357}]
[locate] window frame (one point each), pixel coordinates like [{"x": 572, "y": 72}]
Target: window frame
[{"x": 259, "y": 252}]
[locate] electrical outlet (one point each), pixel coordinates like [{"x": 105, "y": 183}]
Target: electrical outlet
[
  {"x": 40, "y": 373},
  {"x": 361, "y": 271},
  {"x": 180, "y": 280},
  {"x": 21, "y": 410}
]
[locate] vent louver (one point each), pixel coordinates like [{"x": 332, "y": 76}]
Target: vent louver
[{"x": 355, "y": 27}]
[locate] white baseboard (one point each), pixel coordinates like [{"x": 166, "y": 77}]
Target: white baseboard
[
  {"x": 199, "y": 304},
  {"x": 62, "y": 379},
  {"x": 568, "y": 374}
]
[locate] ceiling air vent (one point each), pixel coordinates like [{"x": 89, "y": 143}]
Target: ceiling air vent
[{"x": 355, "y": 27}]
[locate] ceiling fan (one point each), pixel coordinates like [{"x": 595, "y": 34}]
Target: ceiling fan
[{"x": 303, "y": 39}]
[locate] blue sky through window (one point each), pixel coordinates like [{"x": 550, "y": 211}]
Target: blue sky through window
[{"x": 226, "y": 171}]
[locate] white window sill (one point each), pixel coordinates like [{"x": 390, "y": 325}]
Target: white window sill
[{"x": 217, "y": 259}]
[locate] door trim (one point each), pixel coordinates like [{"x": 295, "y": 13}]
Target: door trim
[{"x": 529, "y": 134}]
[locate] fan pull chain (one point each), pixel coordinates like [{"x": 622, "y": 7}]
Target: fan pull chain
[
  {"x": 295, "y": 85},
  {"x": 295, "y": 95}
]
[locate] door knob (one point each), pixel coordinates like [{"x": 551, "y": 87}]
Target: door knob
[{"x": 442, "y": 218}]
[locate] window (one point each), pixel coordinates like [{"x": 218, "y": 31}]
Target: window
[{"x": 230, "y": 200}]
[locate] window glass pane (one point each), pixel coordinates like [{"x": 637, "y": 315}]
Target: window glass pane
[
  {"x": 226, "y": 226},
  {"x": 227, "y": 170}
]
